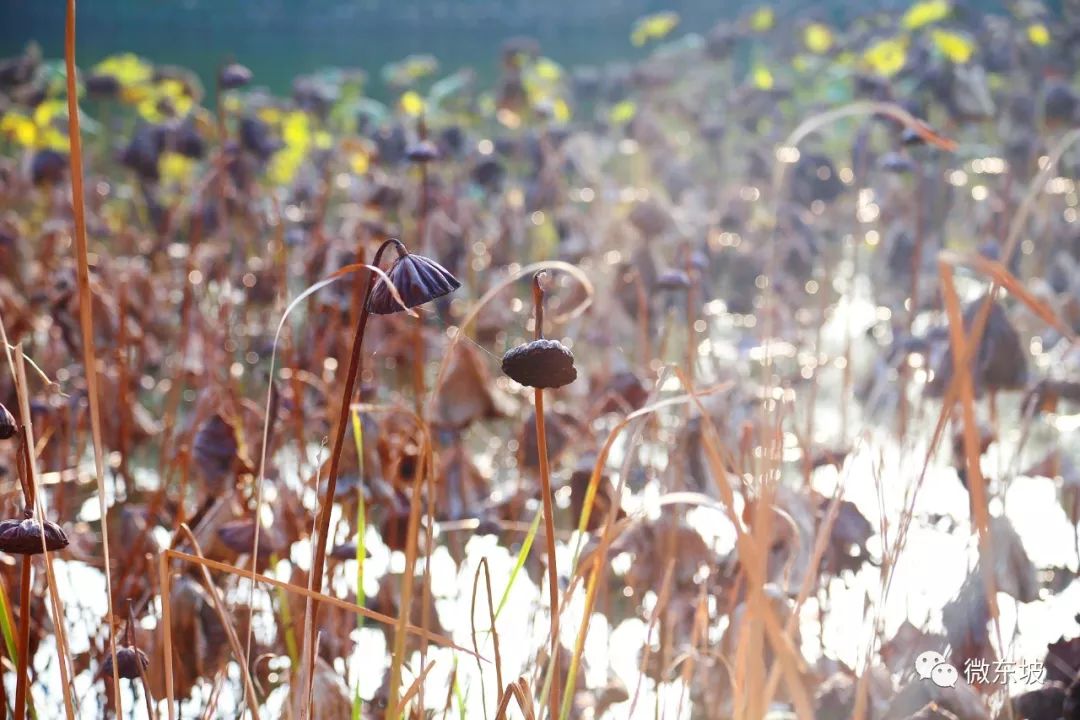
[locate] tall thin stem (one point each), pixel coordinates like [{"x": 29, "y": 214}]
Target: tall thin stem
[
  {"x": 327, "y": 501},
  {"x": 24, "y": 640},
  {"x": 86, "y": 323},
  {"x": 549, "y": 509}
]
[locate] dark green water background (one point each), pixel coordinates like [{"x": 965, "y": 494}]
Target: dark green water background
[{"x": 279, "y": 39}]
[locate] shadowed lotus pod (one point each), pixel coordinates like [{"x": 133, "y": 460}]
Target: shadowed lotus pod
[
  {"x": 128, "y": 660},
  {"x": 47, "y": 167},
  {"x": 910, "y": 136},
  {"x": 418, "y": 279},
  {"x": 422, "y": 152},
  {"x": 895, "y": 162},
  {"x": 102, "y": 86},
  {"x": 8, "y": 428},
  {"x": 23, "y": 537},
  {"x": 673, "y": 280},
  {"x": 650, "y": 218},
  {"x": 540, "y": 364},
  {"x": 233, "y": 76},
  {"x": 1060, "y": 104}
]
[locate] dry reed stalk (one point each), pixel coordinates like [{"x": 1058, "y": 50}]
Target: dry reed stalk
[
  {"x": 661, "y": 607},
  {"x": 517, "y": 690},
  {"x": 56, "y": 603},
  {"x": 250, "y": 696},
  {"x": 753, "y": 559},
  {"x": 483, "y": 565},
  {"x": 86, "y": 321},
  {"x": 165, "y": 581},
  {"x": 608, "y": 533},
  {"x": 414, "y": 687},
  {"x": 976, "y": 482},
  {"x": 398, "y": 656}
]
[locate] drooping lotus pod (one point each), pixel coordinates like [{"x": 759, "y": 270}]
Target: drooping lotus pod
[
  {"x": 23, "y": 537},
  {"x": 8, "y": 428},
  {"x": 421, "y": 152},
  {"x": 233, "y": 76},
  {"x": 128, "y": 660},
  {"x": 418, "y": 280}
]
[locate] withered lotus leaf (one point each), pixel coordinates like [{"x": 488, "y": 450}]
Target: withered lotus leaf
[
  {"x": 422, "y": 152},
  {"x": 468, "y": 394},
  {"x": 215, "y": 449},
  {"x": 239, "y": 536},
  {"x": 418, "y": 280},
  {"x": 540, "y": 364},
  {"x": 23, "y": 537}
]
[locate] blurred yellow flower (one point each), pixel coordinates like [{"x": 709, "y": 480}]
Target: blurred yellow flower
[
  {"x": 48, "y": 110},
  {"x": 359, "y": 162},
  {"x": 762, "y": 77},
  {"x": 887, "y": 57},
  {"x": 547, "y": 69},
  {"x": 175, "y": 167},
  {"x": 818, "y": 38},
  {"x": 924, "y": 13},
  {"x": 560, "y": 110},
  {"x": 763, "y": 19},
  {"x": 622, "y": 112},
  {"x": 269, "y": 115},
  {"x": 1038, "y": 34},
  {"x": 29, "y": 133},
  {"x": 653, "y": 27},
  {"x": 284, "y": 164},
  {"x": 19, "y": 128},
  {"x": 412, "y": 104},
  {"x": 955, "y": 46},
  {"x": 296, "y": 130},
  {"x": 128, "y": 69}
]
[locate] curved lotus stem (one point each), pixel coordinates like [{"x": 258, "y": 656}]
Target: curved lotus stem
[{"x": 327, "y": 501}]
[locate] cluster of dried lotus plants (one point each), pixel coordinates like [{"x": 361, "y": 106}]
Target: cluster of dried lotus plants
[{"x": 142, "y": 323}]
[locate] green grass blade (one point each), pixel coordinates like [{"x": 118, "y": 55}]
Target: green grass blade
[
  {"x": 523, "y": 555},
  {"x": 361, "y": 549}
]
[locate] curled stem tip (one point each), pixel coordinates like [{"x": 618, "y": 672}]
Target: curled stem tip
[{"x": 538, "y": 301}]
